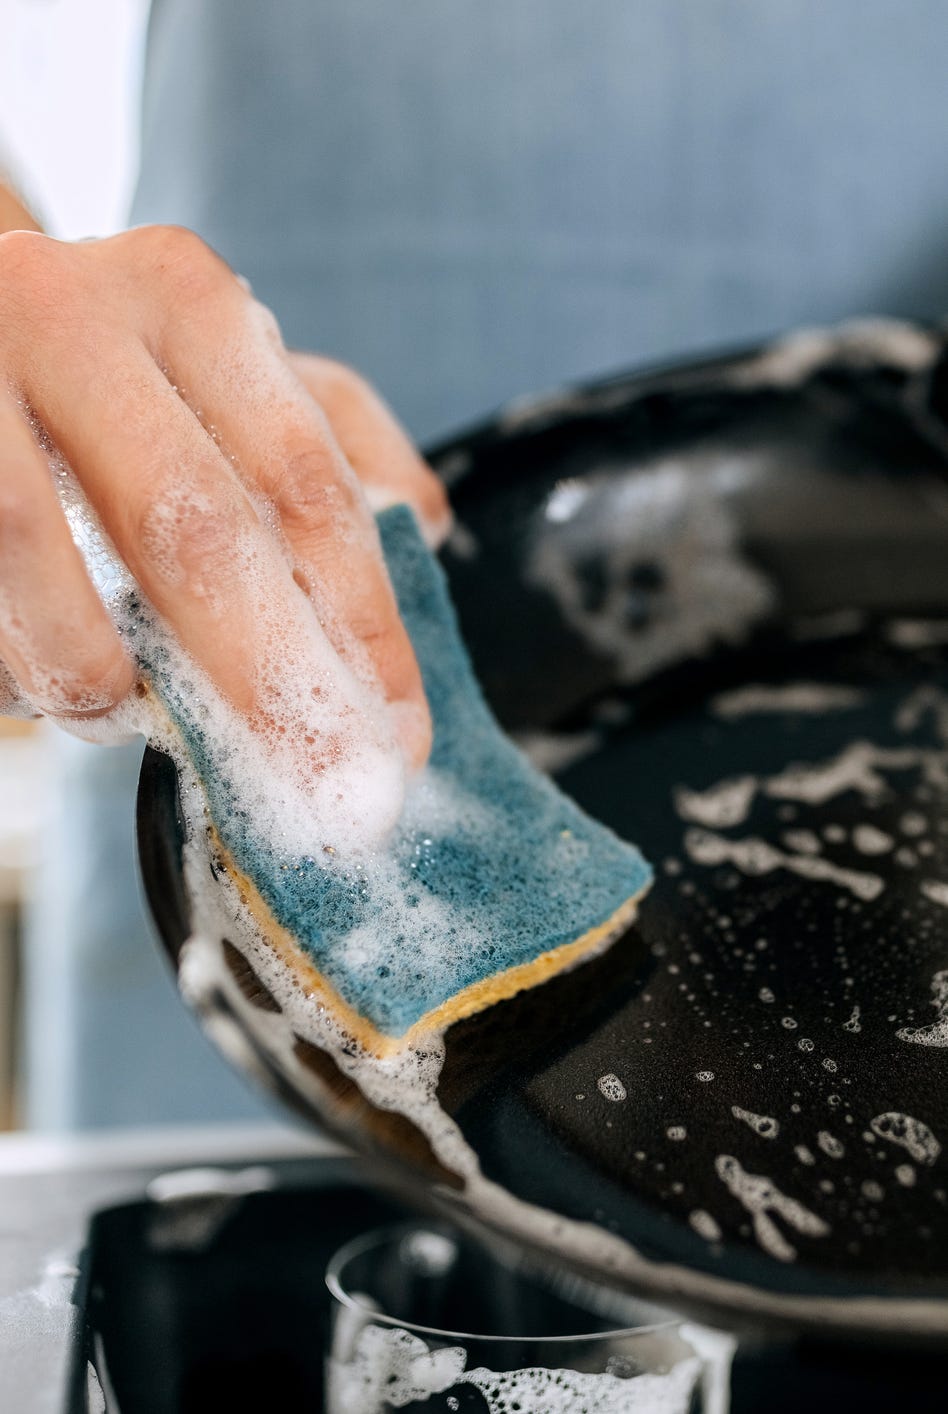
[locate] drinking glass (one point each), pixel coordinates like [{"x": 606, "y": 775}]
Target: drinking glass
[{"x": 424, "y": 1320}]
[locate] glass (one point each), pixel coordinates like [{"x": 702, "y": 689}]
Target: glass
[{"x": 423, "y": 1320}]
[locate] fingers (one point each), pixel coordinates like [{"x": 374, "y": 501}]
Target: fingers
[
  {"x": 376, "y": 446},
  {"x": 89, "y": 330},
  {"x": 55, "y": 636},
  {"x": 178, "y": 515},
  {"x": 283, "y": 445}
]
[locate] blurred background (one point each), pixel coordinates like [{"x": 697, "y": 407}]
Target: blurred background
[{"x": 70, "y": 75}]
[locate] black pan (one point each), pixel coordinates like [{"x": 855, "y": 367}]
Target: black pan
[{"x": 710, "y": 573}]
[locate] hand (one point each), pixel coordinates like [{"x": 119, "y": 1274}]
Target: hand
[{"x": 220, "y": 465}]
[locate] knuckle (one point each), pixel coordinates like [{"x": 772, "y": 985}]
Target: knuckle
[
  {"x": 189, "y": 534},
  {"x": 184, "y": 261},
  {"x": 313, "y": 490}
]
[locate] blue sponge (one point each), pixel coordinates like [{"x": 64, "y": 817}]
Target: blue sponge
[{"x": 523, "y": 882}]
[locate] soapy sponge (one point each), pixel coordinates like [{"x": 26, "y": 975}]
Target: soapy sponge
[{"x": 493, "y": 880}]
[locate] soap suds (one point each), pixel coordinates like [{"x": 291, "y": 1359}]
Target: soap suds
[
  {"x": 917, "y": 633},
  {"x": 830, "y": 1145},
  {"x": 853, "y": 1025},
  {"x": 756, "y": 857},
  {"x": 855, "y": 343},
  {"x": 317, "y": 759},
  {"x": 611, "y": 1087},
  {"x": 762, "y": 1125},
  {"x": 936, "y": 1033},
  {"x": 760, "y": 1197},
  {"x": 802, "y": 841},
  {"x": 667, "y": 563},
  {"x": 555, "y": 751},
  {"x": 392, "y": 1367},
  {"x": 720, "y": 806},
  {"x": 802, "y": 697},
  {"x": 858, "y": 767},
  {"x": 705, "y": 1225},
  {"x": 910, "y": 1134},
  {"x": 870, "y": 840},
  {"x": 935, "y": 891}
]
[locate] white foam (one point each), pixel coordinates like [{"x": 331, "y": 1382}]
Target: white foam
[
  {"x": 910, "y": 1134},
  {"x": 857, "y": 342},
  {"x": 722, "y": 805},
  {"x": 936, "y": 891},
  {"x": 315, "y": 746},
  {"x": 611, "y": 1087},
  {"x": 755, "y": 857},
  {"x": 917, "y": 633},
  {"x": 705, "y": 1225},
  {"x": 760, "y": 1197},
  {"x": 389, "y": 1367},
  {"x": 803, "y": 697},
  {"x": 555, "y": 751},
  {"x": 854, "y": 1025},
  {"x": 670, "y": 516},
  {"x": 936, "y": 1033},
  {"x": 856, "y": 768},
  {"x": 763, "y": 1125},
  {"x": 802, "y": 841},
  {"x": 831, "y": 1146},
  {"x": 870, "y": 840},
  {"x": 923, "y": 702}
]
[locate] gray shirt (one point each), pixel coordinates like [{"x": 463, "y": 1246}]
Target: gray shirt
[
  {"x": 470, "y": 200},
  {"x": 473, "y": 199}
]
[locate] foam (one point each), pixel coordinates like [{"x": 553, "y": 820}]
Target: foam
[
  {"x": 755, "y": 857},
  {"x": 858, "y": 768},
  {"x": 760, "y": 1197},
  {"x": 675, "y": 519},
  {"x": 765, "y": 1126},
  {"x": 705, "y": 1225},
  {"x": 832, "y": 1147},
  {"x": 611, "y": 1088},
  {"x": 402, "y": 904},
  {"x": 909, "y": 1133},
  {"x": 389, "y": 1367},
  {"x": 936, "y": 1033},
  {"x": 803, "y": 697},
  {"x": 316, "y": 754}
]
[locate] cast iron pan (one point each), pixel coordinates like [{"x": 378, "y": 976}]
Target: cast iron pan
[{"x": 718, "y": 572}]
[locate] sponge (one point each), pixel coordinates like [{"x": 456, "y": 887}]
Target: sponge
[{"x": 493, "y": 881}]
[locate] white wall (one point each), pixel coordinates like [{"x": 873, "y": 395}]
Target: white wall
[{"x": 69, "y": 77}]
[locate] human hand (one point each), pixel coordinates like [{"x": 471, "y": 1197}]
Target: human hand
[{"x": 220, "y": 465}]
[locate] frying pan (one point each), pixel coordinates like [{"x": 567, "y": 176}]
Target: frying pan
[{"x": 712, "y": 599}]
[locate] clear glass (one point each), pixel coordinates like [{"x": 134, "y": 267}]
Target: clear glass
[{"x": 423, "y": 1319}]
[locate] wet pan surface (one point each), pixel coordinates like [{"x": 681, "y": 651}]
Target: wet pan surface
[{"x": 714, "y": 602}]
